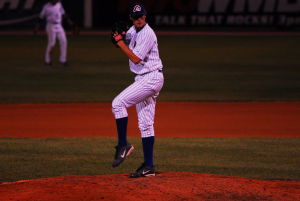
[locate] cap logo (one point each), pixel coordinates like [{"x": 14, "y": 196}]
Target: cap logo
[{"x": 137, "y": 8}]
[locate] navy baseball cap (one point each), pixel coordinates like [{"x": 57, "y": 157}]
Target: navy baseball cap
[{"x": 137, "y": 10}]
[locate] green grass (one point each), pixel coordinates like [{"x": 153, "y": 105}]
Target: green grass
[
  {"x": 196, "y": 68},
  {"x": 262, "y": 158}
]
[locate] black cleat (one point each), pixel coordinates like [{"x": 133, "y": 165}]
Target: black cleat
[
  {"x": 48, "y": 63},
  {"x": 121, "y": 154},
  {"x": 65, "y": 64},
  {"x": 143, "y": 171}
]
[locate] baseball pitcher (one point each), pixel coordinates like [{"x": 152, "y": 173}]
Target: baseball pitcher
[{"x": 140, "y": 45}]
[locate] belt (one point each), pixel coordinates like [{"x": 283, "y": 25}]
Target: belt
[{"x": 159, "y": 70}]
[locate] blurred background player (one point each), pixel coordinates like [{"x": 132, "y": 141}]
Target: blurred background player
[
  {"x": 145, "y": 63},
  {"x": 54, "y": 13}
]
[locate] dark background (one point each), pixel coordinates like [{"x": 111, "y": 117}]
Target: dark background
[{"x": 168, "y": 11}]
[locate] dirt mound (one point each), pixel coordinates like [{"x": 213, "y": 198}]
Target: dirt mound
[{"x": 165, "y": 186}]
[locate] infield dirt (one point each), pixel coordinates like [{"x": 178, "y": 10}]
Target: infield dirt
[
  {"x": 170, "y": 186},
  {"x": 264, "y": 119},
  {"x": 173, "y": 119}
]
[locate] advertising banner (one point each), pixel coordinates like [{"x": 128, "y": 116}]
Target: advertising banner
[{"x": 236, "y": 13}]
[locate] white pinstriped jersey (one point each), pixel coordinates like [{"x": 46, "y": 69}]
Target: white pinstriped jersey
[
  {"x": 53, "y": 13},
  {"x": 148, "y": 81},
  {"x": 144, "y": 45}
]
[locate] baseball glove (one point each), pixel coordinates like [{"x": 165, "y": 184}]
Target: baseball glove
[{"x": 118, "y": 32}]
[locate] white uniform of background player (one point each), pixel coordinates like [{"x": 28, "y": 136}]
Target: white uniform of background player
[
  {"x": 53, "y": 13},
  {"x": 144, "y": 61}
]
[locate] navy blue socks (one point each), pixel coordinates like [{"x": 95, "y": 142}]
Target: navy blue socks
[
  {"x": 122, "y": 131},
  {"x": 148, "y": 144}
]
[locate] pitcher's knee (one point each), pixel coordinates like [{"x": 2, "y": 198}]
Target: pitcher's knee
[
  {"x": 119, "y": 108},
  {"x": 147, "y": 130}
]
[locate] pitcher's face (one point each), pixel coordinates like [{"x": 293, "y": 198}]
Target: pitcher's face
[{"x": 139, "y": 22}]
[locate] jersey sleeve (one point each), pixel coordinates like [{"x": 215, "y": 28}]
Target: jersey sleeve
[
  {"x": 128, "y": 36},
  {"x": 145, "y": 43}
]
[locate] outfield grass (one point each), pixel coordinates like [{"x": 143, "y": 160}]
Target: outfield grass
[
  {"x": 262, "y": 158},
  {"x": 197, "y": 68}
]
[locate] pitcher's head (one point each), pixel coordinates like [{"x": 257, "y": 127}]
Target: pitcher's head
[{"x": 137, "y": 14}]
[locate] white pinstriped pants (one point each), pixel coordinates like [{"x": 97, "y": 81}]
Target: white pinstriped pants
[
  {"x": 142, "y": 93},
  {"x": 56, "y": 31}
]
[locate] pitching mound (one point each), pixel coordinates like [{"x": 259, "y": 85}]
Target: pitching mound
[{"x": 165, "y": 186}]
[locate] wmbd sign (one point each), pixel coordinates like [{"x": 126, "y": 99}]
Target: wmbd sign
[{"x": 231, "y": 13}]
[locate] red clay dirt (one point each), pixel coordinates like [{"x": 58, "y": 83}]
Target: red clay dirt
[
  {"x": 173, "y": 119},
  {"x": 169, "y": 186},
  {"x": 176, "y": 119}
]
